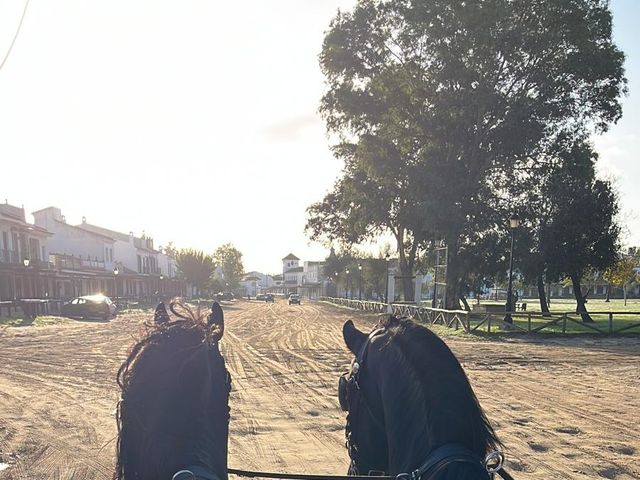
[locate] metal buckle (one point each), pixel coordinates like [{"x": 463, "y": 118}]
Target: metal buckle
[
  {"x": 403, "y": 476},
  {"x": 493, "y": 461},
  {"x": 182, "y": 475}
]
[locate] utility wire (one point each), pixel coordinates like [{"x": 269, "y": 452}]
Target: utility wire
[{"x": 24, "y": 12}]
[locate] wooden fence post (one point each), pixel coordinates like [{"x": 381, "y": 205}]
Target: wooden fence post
[
  {"x": 564, "y": 323},
  {"x": 529, "y": 322},
  {"x": 610, "y": 323}
]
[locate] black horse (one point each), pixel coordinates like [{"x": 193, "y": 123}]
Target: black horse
[
  {"x": 173, "y": 416},
  {"x": 411, "y": 409}
]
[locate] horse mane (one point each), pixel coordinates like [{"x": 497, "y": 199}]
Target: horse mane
[
  {"x": 168, "y": 398},
  {"x": 433, "y": 364}
]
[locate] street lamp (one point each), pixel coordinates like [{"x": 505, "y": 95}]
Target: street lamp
[
  {"x": 347, "y": 290},
  {"x": 386, "y": 283},
  {"x": 115, "y": 282},
  {"x": 26, "y": 262},
  {"x": 359, "y": 281},
  {"x": 514, "y": 223}
]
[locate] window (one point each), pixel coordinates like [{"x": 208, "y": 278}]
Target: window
[{"x": 139, "y": 264}]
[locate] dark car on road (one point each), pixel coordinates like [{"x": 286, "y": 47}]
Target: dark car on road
[
  {"x": 225, "y": 296},
  {"x": 294, "y": 299},
  {"x": 269, "y": 298},
  {"x": 90, "y": 306}
]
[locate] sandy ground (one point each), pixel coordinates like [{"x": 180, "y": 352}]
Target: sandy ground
[{"x": 565, "y": 408}]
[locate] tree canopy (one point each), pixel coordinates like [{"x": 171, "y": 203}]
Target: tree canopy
[
  {"x": 195, "y": 267},
  {"x": 229, "y": 259},
  {"x": 438, "y": 107}
]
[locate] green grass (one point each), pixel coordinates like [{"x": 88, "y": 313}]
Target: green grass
[
  {"x": 569, "y": 305},
  {"x": 597, "y": 308},
  {"x": 41, "y": 321}
]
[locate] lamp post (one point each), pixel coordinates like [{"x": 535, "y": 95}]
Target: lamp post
[
  {"x": 115, "y": 282},
  {"x": 359, "y": 281},
  {"x": 26, "y": 282},
  {"x": 348, "y": 289},
  {"x": 514, "y": 223},
  {"x": 386, "y": 282}
]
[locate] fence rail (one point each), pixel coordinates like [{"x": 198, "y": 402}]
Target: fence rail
[{"x": 607, "y": 323}]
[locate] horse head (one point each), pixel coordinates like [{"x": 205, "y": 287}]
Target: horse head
[
  {"x": 173, "y": 415},
  {"x": 408, "y": 403}
]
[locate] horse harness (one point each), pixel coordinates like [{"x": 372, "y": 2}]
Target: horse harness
[{"x": 350, "y": 396}]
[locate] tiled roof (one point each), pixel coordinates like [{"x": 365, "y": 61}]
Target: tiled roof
[
  {"x": 104, "y": 231},
  {"x": 28, "y": 226},
  {"x": 291, "y": 256}
]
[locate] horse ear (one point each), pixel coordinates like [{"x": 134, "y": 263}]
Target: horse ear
[
  {"x": 161, "y": 315},
  {"x": 216, "y": 317},
  {"x": 353, "y": 337}
]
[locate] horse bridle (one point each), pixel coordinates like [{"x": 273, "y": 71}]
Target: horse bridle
[{"x": 438, "y": 459}]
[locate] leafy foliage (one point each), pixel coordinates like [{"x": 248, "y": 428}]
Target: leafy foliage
[
  {"x": 195, "y": 267},
  {"x": 440, "y": 106},
  {"x": 229, "y": 259}
]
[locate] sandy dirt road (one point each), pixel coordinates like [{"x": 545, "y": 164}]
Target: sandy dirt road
[{"x": 565, "y": 408}]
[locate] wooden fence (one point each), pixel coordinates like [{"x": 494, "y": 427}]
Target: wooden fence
[{"x": 523, "y": 322}]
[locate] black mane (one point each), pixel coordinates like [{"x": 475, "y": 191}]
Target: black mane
[
  {"x": 174, "y": 409},
  {"x": 453, "y": 411}
]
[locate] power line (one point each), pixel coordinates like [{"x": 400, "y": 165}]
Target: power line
[{"x": 26, "y": 4}]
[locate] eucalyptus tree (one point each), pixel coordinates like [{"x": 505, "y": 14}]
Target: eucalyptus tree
[{"x": 437, "y": 106}]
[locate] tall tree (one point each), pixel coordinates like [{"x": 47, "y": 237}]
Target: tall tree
[
  {"x": 229, "y": 259},
  {"x": 622, "y": 273},
  {"x": 582, "y": 233},
  {"x": 438, "y": 105},
  {"x": 195, "y": 267}
]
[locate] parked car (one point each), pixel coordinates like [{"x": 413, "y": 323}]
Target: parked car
[
  {"x": 269, "y": 297},
  {"x": 260, "y": 297},
  {"x": 225, "y": 296},
  {"x": 90, "y": 306},
  {"x": 294, "y": 299}
]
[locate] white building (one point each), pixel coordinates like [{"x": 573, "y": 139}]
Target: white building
[
  {"x": 307, "y": 280},
  {"x": 133, "y": 253},
  {"x": 254, "y": 283},
  {"x": 24, "y": 264},
  {"x": 93, "y": 249}
]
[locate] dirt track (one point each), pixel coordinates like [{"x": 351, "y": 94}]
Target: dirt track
[{"x": 563, "y": 408}]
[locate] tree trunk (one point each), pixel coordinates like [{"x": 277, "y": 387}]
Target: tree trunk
[
  {"x": 406, "y": 262},
  {"x": 453, "y": 278},
  {"x": 624, "y": 290},
  {"x": 544, "y": 306},
  {"x": 608, "y": 293},
  {"x": 406, "y": 272},
  {"x": 581, "y": 304},
  {"x": 465, "y": 303}
]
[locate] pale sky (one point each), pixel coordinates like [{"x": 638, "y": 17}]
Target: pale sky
[{"x": 196, "y": 121}]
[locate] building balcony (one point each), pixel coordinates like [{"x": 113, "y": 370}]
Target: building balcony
[{"x": 9, "y": 256}]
